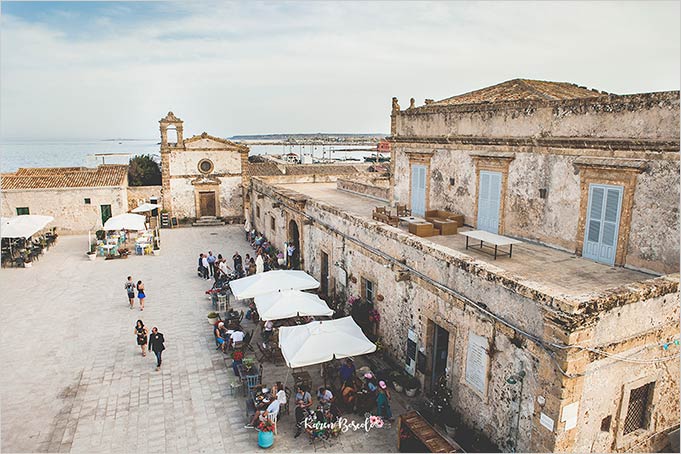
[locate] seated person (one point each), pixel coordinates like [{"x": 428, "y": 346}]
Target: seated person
[
  {"x": 272, "y": 408},
  {"x": 219, "y": 332},
  {"x": 325, "y": 396},
  {"x": 267, "y": 332},
  {"x": 303, "y": 403},
  {"x": 236, "y": 336},
  {"x": 349, "y": 394},
  {"x": 347, "y": 370},
  {"x": 280, "y": 393}
]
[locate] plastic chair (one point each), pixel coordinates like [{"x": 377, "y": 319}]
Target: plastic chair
[
  {"x": 273, "y": 418},
  {"x": 249, "y": 383},
  {"x": 222, "y": 303}
]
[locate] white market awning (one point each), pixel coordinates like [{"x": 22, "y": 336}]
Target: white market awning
[
  {"x": 126, "y": 221},
  {"x": 146, "y": 207},
  {"x": 272, "y": 281},
  {"x": 23, "y": 226},
  {"x": 321, "y": 341},
  {"x": 290, "y": 303}
]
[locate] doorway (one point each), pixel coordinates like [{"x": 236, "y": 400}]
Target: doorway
[
  {"x": 325, "y": 273},
  {"x": 602, "y": 223},
  {"x": 106, "y": 213},
  {"x": 294, "y": 239},
  {"x": 418, "y": 190},
  {"x": 440, "y": 351},
  {"x": 207, "y": 203},
  {"x": 489, "y": 201}
]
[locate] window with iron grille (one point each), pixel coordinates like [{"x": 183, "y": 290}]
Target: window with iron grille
[{"x": 638, "y": 409}]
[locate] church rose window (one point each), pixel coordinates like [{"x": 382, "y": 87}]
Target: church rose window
[{"x": 206, "y": 166}]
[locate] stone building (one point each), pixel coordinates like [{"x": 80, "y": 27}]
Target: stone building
[
  {"x": 79, "y": 198},
  {"x": 202, "y": 176},
  {"x": 563, "y": 346}
]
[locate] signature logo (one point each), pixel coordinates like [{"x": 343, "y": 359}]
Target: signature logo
[{"x": 344, "y": 424}]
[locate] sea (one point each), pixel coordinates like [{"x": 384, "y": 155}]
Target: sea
[{"x": 89, "y": 153}]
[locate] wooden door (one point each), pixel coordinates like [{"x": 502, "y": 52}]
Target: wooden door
[
  {"x": 602, "y": 224},
  {"x": 489, "y": 201},
  {"x": 207, "y": 203},
  {"x": 325, "y": 273}
]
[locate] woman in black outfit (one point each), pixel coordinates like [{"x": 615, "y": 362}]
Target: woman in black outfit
[
  {"x": 156, "y": 345},
  {"x": 141, "y": 332}
]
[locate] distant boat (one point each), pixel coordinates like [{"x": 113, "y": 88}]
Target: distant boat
[{"x": 120, "y": 143}]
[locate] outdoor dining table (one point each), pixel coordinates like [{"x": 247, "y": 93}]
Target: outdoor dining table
[
  {"x": 491, "y": 238},
  {"x": 107, "y": 248}
]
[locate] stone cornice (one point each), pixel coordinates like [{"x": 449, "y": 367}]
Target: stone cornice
[{"x": 551, "y": 142}]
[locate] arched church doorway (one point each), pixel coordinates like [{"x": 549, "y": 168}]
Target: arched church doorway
[{"x": 293, "y": 256}]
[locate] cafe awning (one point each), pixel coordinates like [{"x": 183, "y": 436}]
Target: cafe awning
[
  {"x": 290, "y": 303},
  {"x": 146, "y": 207},
  {"x": 126, "y": 221},
  {"x": 321, "y": 341},
  {"x": 272, "y": 281},
  {"x": 23, "y": 226}
]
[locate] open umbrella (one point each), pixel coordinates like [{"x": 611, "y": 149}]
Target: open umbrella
[
  {"x": 290, "y": 303},
  {"x": 23, "y": 226},
  {"x": 145, "y": 207},
  {"x": 321, "y": 341},
  {"x": 126, "y": 221},
  {"x": 272, "y": 281}
]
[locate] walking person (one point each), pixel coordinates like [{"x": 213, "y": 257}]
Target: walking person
[
  {"x": 156, "y": 341},
  {"x": 205, "y": 265},
  {"x": 290, "y": 250},
  {"x": 141, "y": 332},
  {"x": 238, "y": 261},
  {"x": 140, "y": 294},
  {"x": 130, "y": 288}
]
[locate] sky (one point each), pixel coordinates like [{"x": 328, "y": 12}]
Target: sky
[{"x": 83, "y": 70}]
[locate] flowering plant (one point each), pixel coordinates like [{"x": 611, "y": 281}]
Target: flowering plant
[
  {"x": 280, "y": 255},
  {"x": 352, "y": 300},
  {"x": 374, "y": 316},
  {"x": 266, "y": 426},
  {"x": 237, "y": 355}
]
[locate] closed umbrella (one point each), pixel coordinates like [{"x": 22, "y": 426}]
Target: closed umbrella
[
  {"x": 272, "y": 281},
  {"x": 290, "y": 303},
  {"x": 321, "y": 341},
  {"x": 259, "y": 264},
  {"x": 126, "y": 221}
]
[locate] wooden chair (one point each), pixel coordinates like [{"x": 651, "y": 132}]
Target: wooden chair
[{"x": 402, "y": 210}]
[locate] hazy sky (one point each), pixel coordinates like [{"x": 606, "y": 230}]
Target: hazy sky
[{"x": 113, "y": 69}]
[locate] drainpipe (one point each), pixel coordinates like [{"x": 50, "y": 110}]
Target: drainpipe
[{"x": 512, "y": 380}]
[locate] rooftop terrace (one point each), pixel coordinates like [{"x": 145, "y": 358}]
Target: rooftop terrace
[{"x": 550, "y": 270}]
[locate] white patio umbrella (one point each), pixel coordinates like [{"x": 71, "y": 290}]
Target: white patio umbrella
[
  {"x": 126, "y": 221},
  {"x": 23, "y": 226},
  {"x": 321, "y": 341},
  {"x": 146, "y": 207},
  {"x": 290, "y": 303},
  {"x": 272, "y": 281}
]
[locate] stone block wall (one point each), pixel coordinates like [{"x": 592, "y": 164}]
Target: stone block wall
[
  {"x": 137, "y": 195},
  {"x": 71, "y": 214},
  {"x": 373, "y": 189}
]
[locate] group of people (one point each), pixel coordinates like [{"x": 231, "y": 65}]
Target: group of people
[
  {"x": 130, "y": 288},
  {"x": 228, "y": 336},
  {"x": 362, "y": 396},
  {"x": 269, "y": 403},
  {"x": 308, "y": 419},
  {"x": 211, "y": 266}
]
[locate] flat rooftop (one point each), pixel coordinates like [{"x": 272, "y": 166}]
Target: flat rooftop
[{"x": 556, "y": 271}]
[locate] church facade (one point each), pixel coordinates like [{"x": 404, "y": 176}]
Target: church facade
[{"x": 202, "y": 176}]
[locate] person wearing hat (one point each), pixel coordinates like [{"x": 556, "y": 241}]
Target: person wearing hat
[{"x": 383, "y": 402}]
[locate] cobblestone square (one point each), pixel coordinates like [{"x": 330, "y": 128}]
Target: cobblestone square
[{"x": 74, "y": 379}]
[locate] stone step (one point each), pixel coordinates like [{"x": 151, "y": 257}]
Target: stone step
[{"x": 208, "y": 221}]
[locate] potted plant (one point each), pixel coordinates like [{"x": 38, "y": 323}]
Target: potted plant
[
  {"x": 156, "y": 250},
  {"x": 212, "y": 317},
  {"x": 100, "y": 234},
  {"x": 280, "y": 259},
  {"x": 449, "y": 420},
  {"x": 411, "y": 386},
  {"x": 397, "y": 379},
  {"x": 92, "y": 254},
  {"x": 248, "y": 365},
  {"x": 265, "y": 434}
]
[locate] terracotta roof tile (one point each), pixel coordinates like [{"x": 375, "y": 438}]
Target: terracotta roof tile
[
  {"x": 66, "y": 177},
  {"x": 519, "y": 90}
]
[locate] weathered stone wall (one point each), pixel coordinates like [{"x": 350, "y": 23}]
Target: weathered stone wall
[
  {"x": 642, "y": 116},
  {"x": 67, "y": 206},
  {"x": 231, "y": 197},
  {"x": 372, "y": 188},
  {"x": 186, "y": 163},
  {"x": 654, "y": 229},
  {"x": 182, "y": 198},
  {"x": 137, "y": 195}
]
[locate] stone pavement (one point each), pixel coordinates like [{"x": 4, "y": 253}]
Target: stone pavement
[{"x": 74, "y": 380}]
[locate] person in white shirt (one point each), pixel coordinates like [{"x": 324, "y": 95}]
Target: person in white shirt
[
  {"x": 281, "y": 393},
  {"x": 268, "y": 330},
  {"x": 204, "y": 263},
  {"x": 224, "y": 267},
  {"x": 236, "y": 336},
  {"x": 325, "y": 396},
  {"x": 272, "y": 408}
]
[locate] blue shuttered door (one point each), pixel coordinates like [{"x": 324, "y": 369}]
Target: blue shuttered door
[
  {"x": 489, "y": 201},
  {"x": 602, "y": 223},
  {"x": 418, "y": 190}
]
